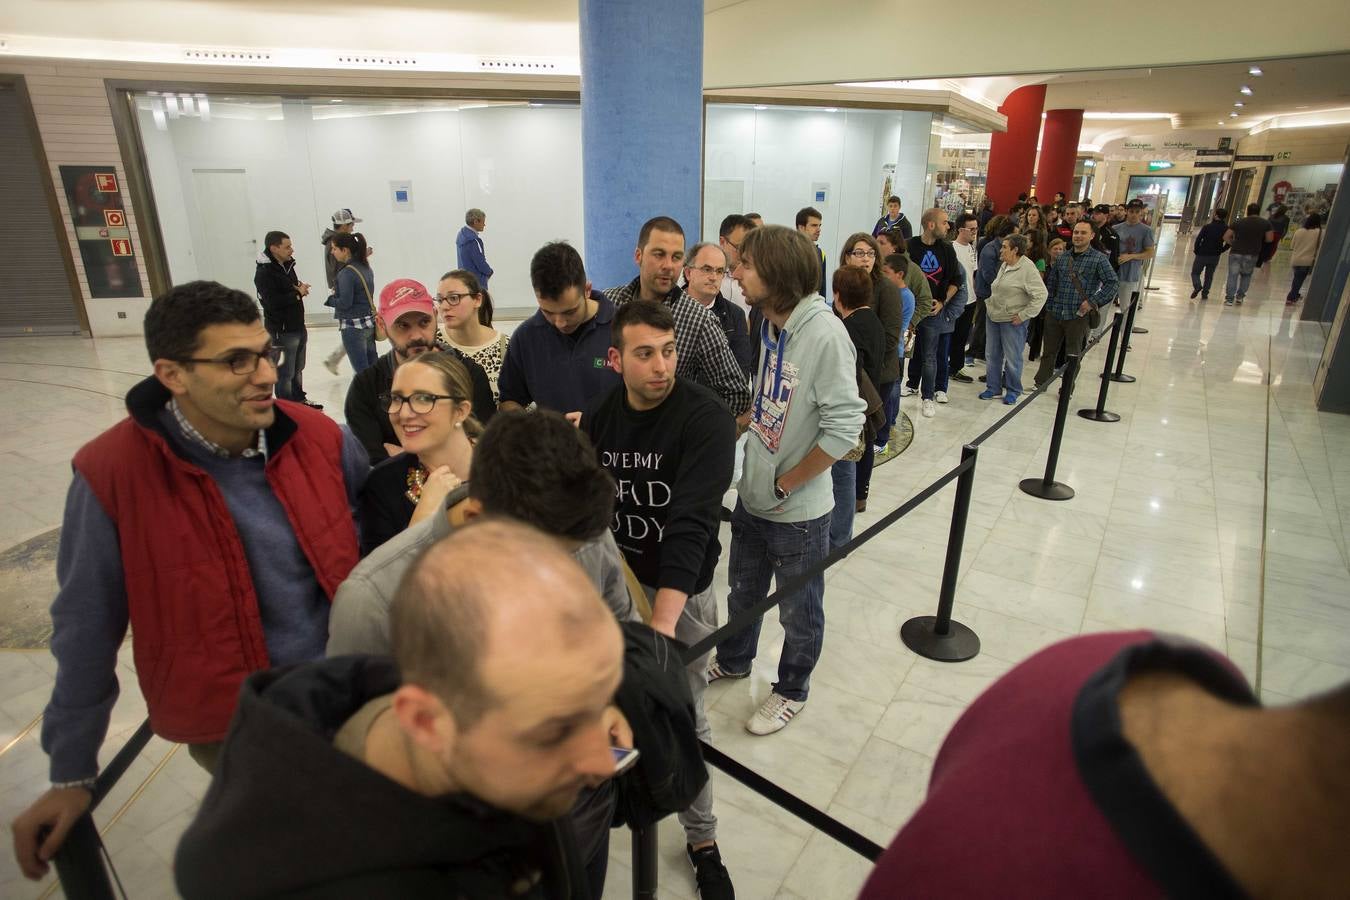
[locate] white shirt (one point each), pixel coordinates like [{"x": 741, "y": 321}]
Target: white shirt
[{"x": 969, "y": 260}]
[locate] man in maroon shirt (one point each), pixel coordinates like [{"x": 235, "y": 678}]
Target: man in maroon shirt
[{"x": 1131, "y": 765}]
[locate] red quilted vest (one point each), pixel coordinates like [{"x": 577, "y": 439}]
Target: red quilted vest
[{"x": 196, "y": 631}]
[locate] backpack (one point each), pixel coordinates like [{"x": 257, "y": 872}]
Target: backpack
[{"x": 655, "y": 698}]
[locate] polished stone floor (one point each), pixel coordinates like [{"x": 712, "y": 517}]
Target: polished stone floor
[{"x": 1166, "y": 532}]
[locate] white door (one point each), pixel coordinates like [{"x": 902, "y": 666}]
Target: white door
[{"x": 226, "y": 220}]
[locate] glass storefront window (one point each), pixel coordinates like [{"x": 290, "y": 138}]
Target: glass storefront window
[
  {"x": 1301, "y": 189},
  {"x": 1177, "y": 189}
]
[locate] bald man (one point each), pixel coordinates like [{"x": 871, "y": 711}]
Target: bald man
[{"x": 345, "y": 778}]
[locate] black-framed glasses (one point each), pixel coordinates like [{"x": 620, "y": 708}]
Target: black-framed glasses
[
  {"x": 863, "y": 254},
  {"x": 710, "y": 270},
  {"x": 243, "y": 362},
  {"x": 420, "y": 401},
  {"x": 452, "y": 299}
]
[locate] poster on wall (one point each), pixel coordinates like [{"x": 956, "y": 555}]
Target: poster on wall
[{"x": 94, "y": 195}]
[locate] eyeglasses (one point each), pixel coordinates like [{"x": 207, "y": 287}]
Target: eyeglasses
[
  {"x": 451, "y": 299},
  {"x": 710, "y": 270},
  {"x": 421, "y": 402},
  {"x": 242, "y": 362},
  {"x": 863, "y": 254}
]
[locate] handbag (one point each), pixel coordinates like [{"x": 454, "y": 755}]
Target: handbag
[
  {"x": 874, "y": 416},
  {"x": 380, "y": 333},
  {"x": 1094, "y": 315}
]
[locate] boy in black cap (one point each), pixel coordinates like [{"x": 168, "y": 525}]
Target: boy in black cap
[{"x": 1101, "y": 217}]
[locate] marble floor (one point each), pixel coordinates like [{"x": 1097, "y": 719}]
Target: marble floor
[{"x": 1216, "y": 508}]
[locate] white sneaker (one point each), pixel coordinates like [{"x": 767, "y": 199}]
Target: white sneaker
[
  {"x": 929, "y": 409},
  {"x": 906, "y": 391},
  {"x": 773, "y": 715},
  {"x": 940, "y": 396}
]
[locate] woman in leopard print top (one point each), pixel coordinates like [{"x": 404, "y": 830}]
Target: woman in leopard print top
[{"x": 466, "y": 317}]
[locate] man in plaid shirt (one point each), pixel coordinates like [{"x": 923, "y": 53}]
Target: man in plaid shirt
[
  {"x": 1078, "y": 281},
  {"x": 701, "y": 347}
]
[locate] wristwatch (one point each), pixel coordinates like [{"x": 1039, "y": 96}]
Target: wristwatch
[{"x": 779, "y": 491}]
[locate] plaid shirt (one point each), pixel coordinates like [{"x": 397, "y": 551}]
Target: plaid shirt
[
  {"x": 1095, "y": 274},
  {"x": 197, "y": 437},
  {"x": 700, "y": 345}
]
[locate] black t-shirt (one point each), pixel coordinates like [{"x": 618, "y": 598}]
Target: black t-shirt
[
  {"x": 671, "y": 464},
  {"x": 938, "y": 263},
  {"x": 1249, "y": 235}
]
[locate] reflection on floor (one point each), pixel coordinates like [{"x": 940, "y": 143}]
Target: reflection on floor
[{"x": 1166, "y": 532}]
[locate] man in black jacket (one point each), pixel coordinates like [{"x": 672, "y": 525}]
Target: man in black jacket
[
  {"x": 704, "y": 270},
  {"x": 282, "y": 293},
  {"x": 409, "y": 317},
  {"x": 669, "y": 443},
  {"x": 1209, "y": 246},
  {"x": 446, "y": 771}
]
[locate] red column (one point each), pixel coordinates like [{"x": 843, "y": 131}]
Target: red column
[
  {"x": 1012, "y": 153},
  {"x": 1059, "y": 151}
]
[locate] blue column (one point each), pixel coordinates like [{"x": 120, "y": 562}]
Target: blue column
[{"x": 641, "y": 125}]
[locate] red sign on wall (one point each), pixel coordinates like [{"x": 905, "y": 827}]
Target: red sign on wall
[
  {"x": 115, "y": 218},
  {"x": 121, "y": 247},
  {"x": 106, "y": 182}
]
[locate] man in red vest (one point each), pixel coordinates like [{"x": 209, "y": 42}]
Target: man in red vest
[{"x": 217, "y": 521}]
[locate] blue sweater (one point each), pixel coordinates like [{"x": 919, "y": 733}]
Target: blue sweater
[
  {"x": 89, "y": 614},
  {"x": 469, "y": 253}
]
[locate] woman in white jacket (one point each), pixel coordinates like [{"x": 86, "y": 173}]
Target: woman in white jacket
[
  {"x": 1018, "y": 294},
  {"x": 1307, "y": 241}
]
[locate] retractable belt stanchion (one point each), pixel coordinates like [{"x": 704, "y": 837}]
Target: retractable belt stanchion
[
  {"x": 1119, "y": 375},
  {"x": 1148, "y": 286},
  {"x": 1046, "y": 487},
  {"x": 938, "y": 637},
  {"x": 1100, "y": 414},
  {"x": 644, "y": 863}
]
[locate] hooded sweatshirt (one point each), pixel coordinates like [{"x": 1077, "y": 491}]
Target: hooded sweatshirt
[
  {"x": 806, "y": 395},
  {"x": 288, "y": 814},
  {"x": 278, "y": 290}
]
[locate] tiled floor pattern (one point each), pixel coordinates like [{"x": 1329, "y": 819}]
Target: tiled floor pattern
[{"x": 1165, "y": 532}]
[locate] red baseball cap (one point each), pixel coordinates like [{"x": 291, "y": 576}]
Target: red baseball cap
[{"x": 403, "y": 296}]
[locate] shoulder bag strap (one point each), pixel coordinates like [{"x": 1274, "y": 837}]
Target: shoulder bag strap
[{"x": 369, "y": 299}]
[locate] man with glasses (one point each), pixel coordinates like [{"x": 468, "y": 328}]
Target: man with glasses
[
  {"x": 967, "y": 230},
  {"x": 704, "y": 272},
  {"x": 409, "y": 317},
  {"x": 704, "y": 354},
  {"x": 729, "y": 236},
  {"x": 558, "y": 358},
  {"x": 282, "y": 295},
  {"x": 216, "y": 521}
]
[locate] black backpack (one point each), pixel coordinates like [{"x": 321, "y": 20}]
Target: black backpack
[{"x": 655, "y": 699}]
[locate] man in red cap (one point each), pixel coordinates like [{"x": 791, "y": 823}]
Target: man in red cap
[{"x": 408, "y": 314}]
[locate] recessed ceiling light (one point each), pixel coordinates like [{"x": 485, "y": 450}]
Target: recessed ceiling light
[
  {"x": 1232, "y": 115},
  {"x": 1220, "y": 122},
  {"x": 1255, "y": 70},
  {"x": 1239, "y": 104},
  {"x": 1245, "y": 90},
  {"x": 761, "y": 108},
  {"x": 832, "y": 109}
]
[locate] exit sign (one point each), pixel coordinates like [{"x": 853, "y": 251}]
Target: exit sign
[{"x": 1157, "y": 164}]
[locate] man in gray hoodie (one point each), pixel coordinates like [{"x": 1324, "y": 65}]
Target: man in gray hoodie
[{"x": 806, "y": 414}]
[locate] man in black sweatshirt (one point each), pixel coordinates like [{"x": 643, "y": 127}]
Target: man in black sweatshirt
[
  {"x": 928, "y": 365},
  {"x": 1209, "y": 246},
  {"x": 669, "y": 445}
]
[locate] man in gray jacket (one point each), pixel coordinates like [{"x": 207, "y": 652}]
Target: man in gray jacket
[
  {"x": 806, "y": 413},
  {"x": 571, "y": 497}
]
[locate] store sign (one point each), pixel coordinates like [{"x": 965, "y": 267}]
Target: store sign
[
  {"x": 1157, "y": 164},
  {"x": 1165, "y": 145},
  {"x": 1254, "y": 157},
  {"x": 1211, "y": 164},
  {"x": 1205, "y": 151},
  {"x": 98, "y": 212}
]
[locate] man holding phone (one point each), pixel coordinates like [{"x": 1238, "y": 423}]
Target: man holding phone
[
  {"x": 670, "y": 445},
  {"x": 1078, "y": 281}
]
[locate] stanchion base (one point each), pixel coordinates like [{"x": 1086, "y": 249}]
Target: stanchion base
[
  {"x": 1122, "y": 378},
  {"x": 957, "y": 645},
  {"x": 1104, "y": 416},
  {"x": 1039, "y": 487},
  {"x": 1137, "y": 330}
]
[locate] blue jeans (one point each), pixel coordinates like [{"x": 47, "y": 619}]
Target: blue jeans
[
  {"x": 360, "y": 346},
  {"x": 290, "y": 383},
  {"x": 890, "y": 399},
  {"x": 1003, "y": 343},
  {"x": 760, "y": 552},
  {"x": 844, "y": 475},
  {"x": 928, "y": 365},
  {"x": 1240, "y": 267},
  {"x": 1207, "y": 265},
  {"x": 1300, "y": 273}
]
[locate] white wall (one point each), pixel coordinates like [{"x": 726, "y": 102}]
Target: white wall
[{"x": 521, "y": 165}]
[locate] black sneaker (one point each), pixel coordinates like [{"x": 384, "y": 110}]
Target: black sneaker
[
  {"x": 962, "y": 377},
  {"x": 714, "y": 883},
  {"x": 1195, "y": 293}
]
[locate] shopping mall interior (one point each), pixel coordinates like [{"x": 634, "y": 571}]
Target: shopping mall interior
[{"x": 151, "y": 144}]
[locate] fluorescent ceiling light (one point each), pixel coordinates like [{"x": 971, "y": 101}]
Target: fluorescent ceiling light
[
  {"x": 1124, "y": 115},
  {"x": 832, "y": 109},
  {"x": 1245, "y": 90},
  {"x": 1232, "y": 115},
  {"x": 760, "y": 107},
  {"x": 1255, "y": 70},
  {"x": 1239, "y": 105}
]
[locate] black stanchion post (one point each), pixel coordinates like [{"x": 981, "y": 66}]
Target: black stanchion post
[
  {"x": 1100, "y": 414},
  {"x": 644, "y": 863},
  {"x": 1046, "y": 487},
  {"x": 79, "y": 863},
  {"x": 1119, "y": 376},
  {"x": 938, "y": 637}
]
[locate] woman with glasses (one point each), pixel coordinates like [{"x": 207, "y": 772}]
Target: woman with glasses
[
  {"x": 466, "y": 315},
  {"x": 354, "y": 307},
  {"x": 862, "y": 251},
  {"x": 430, "y": 408},
  {"x": 1018, "y": 296}
]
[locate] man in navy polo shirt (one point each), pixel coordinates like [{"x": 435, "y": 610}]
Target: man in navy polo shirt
[{"x": 559, "y": 357}]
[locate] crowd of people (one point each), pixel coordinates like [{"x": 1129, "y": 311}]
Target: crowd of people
[{"x": 438, "y": 599}]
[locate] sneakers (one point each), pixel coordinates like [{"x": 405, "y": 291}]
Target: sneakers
[
  {"x": 961, "y": 376},
  {"x": 717, "y": 673},
  {"x": 880, "y": 449},
  {"x": 774, "y": 714},
  {"x": 1009, "y": 399},
  {"x": 989, "y": 395},
  {"x": 929, "y": 409},
  {"x": 940, "y": 396},
  {"x": 1204, "y": 295},
  {"x": 906, "y": 391},
  {"x": 1228, "y": 302},
  {"x": 714, "y": 882},
  {"x": 1239, "y": 301}
]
